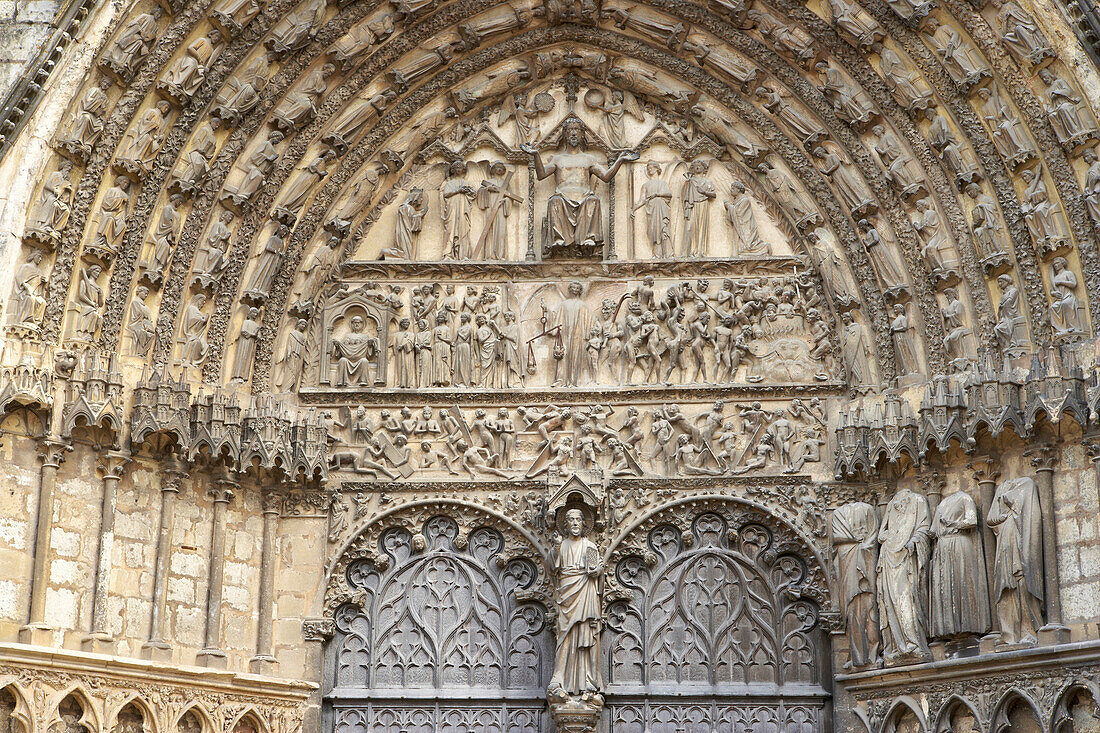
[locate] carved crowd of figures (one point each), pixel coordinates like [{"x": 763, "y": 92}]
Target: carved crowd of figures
[
  {"x": 911, "y": 573},
  {"x": 567, "y": 209},
  {"x": 752, "y": 330},
  {"x": 539, "y": 440}
]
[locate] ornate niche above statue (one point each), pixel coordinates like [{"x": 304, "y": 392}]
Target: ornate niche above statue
[
  {"x": 355, "y": 331},
  {"x": 580, "y": 171}
]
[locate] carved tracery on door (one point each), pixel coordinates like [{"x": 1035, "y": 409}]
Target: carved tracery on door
[
  {"x": 444, "y": 634},
  {"x": 713, "y": 628}
]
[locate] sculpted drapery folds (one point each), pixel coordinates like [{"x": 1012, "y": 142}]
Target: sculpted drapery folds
[
  {"x": 855, "y": 544},
  {"x": 959, "y": 591},
  {"x": 577, "y": 570},
  {"x": 902, "y": 587},
  {"x": 659, "y": 254},
  {"x": 574, "y": 215},
  {"x": 1018, "y": 560}
]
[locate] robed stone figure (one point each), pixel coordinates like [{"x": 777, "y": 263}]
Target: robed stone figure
[
  {"x": 959, "y": 592},
  {"x": 577, "y": 570},
  {"x": 855, "y": 546},
  {"x": 1018, "y": 564},
  {"x": 573, "y": 212},
  {"x": 902, "y": 564}
]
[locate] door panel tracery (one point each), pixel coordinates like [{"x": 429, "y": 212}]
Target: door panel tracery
[
  {"x": 444, "y": 637},
  {"x": 709, "y": 633}
]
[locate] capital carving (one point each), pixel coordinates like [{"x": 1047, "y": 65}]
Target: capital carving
[
  {"x": 985, "y": 469},
  {"x": 1043, "y": 457},
  {"x": 52, "y": 452},
  {"x": 318, "y": 629},
  {"x": 112, "y": 465}
]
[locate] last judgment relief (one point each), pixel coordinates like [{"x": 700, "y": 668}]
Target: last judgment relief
[{"x": 587, "y": 366}]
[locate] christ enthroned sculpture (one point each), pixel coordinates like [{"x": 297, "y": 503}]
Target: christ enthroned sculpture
[{"x": 574, "y": 214}]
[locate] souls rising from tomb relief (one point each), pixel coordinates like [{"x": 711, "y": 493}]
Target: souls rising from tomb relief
[{"x": 574, "y": 214}]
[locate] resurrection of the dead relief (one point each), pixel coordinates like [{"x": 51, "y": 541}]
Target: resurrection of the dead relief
[{"x": 570, "y": 365}]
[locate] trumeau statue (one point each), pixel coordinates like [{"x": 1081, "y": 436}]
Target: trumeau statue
[
  {"x": 574, "y": 215},
  {"x": 902, "y": 589},
  {"x": 959, "y": 591},
  {"x": 855, "y": 546},
  {"x": 1015, "y": 519},
  {"x": 577, "y": 570}
]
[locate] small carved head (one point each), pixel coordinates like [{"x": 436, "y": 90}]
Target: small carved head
[
  {"x": 1089, "y": 155},
  {"x": 574, "y": 522},
  {"x": 497, "y": 168},
  {"x": 699, "y": 166},
  {"x": 357, "y": 324},
  {"x": 457, "y": 169},
  {"x": 653, "y": 169}
]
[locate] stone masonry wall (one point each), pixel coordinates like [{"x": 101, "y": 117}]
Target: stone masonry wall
[
  {"x": 24, "y": 25},
  {"x": 74, "y": 547}
]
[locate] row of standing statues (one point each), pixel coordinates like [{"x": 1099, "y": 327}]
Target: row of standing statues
[{"x": 917, "y": 575}]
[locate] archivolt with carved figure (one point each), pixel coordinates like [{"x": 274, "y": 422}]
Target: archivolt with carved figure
[{"x": 552, "y": 364}]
